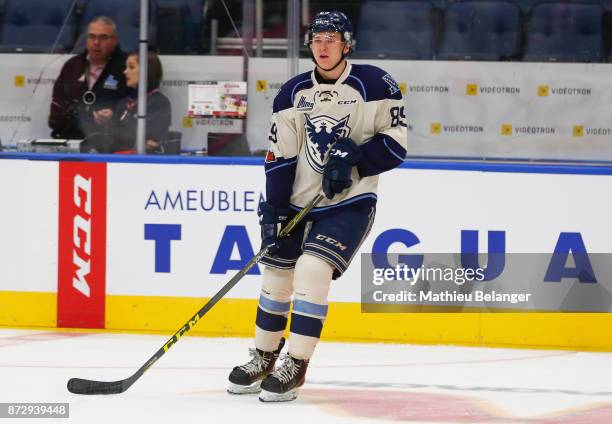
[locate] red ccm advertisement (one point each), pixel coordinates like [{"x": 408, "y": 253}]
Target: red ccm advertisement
[{"x": 82, "y": 245}]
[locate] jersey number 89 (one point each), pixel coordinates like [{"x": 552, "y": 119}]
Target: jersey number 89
[{"x": 397, "y": 116}]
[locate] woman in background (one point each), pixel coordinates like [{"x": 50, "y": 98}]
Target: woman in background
[{"x": 122, "y": 122}]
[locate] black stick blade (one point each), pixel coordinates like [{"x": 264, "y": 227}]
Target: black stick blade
[{"x": 91, "y": 387}]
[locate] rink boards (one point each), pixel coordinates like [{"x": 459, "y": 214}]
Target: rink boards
[{"x": 139, "y": 244}]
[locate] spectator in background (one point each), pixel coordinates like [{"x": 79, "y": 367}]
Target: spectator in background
[
  {"x": 123, "y": 120},
  {"x": 89, "y": 84},
  {"x": 159, "y": 110}
]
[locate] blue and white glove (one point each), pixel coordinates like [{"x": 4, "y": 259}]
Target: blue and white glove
[
  {"x": 271, "y": 220},
  {"x": 337, "y": 172}
]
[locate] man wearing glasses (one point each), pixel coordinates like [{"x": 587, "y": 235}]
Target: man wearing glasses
[{"x": 88, "y": 83}]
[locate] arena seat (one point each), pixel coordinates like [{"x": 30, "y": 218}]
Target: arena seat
[
  {"x": 179, "y": 25},
  {"x": 565, "y": 32},
  {"x": 197, "y": 9},
  {"x": 476, "y": 30},
  {"x": 34, "y": 26},
  {"x": 395, "y": 29}
]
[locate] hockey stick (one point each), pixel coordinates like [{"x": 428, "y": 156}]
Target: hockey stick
[{"x": 91, "y": 387}]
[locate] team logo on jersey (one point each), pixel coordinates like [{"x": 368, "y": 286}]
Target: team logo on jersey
[
  {"x": 304, "y": 104},
  {"x": 325, "y": 96},
  {"x": 393, "y": 86},
  {"x": 321, "y": 134}
]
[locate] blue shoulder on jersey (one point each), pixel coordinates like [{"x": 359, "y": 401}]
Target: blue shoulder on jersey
[
  {"x": 286, "y": 95},
  {"x": 373, "y": 83}
]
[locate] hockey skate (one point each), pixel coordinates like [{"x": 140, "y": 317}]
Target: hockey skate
[
  {"x": 247, "y": 378},
  {"x": 282, "y": 384}
]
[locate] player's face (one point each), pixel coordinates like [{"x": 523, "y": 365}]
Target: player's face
[
  {"x": 327, "y": 48},
  {"x": 131, "y": 71},
  {"x": 101, "y": 41}
]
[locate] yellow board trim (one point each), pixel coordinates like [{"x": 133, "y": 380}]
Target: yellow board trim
[
  {"x": 32, "y": 309},
  {"x": 345, "y": 322}
]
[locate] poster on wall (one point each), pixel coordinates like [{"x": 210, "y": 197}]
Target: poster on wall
[{"x": 218, "y": 98}]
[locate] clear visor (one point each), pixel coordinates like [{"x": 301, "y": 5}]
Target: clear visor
[{"x": 326, "y": 38}]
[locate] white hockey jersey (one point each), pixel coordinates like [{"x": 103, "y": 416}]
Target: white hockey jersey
[{"x": 364, "y": 104}]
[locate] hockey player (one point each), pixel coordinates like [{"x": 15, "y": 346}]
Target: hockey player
[{"x": 333, "y": 129}]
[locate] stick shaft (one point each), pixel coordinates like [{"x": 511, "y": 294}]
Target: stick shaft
[{"x": 82, "y": 386}]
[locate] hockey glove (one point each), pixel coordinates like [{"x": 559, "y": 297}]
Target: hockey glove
[
  {"x": 271, "y": 220},
  {"x": 337, "y": 172}
]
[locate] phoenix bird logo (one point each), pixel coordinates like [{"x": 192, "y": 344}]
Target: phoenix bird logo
[{"x": 321, "y": 134}]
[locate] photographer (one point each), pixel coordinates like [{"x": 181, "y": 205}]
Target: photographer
[{"x": 89, "y": 84}]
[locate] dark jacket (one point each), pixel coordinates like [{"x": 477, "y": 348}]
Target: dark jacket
[
  {"x": 121, "y": 135},
  {"x": 70, "y": 117}
]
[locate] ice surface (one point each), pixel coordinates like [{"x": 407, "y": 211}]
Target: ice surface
[{"x": 346, "y": 383}]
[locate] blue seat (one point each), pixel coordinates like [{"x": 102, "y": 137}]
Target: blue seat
[
  {"x": 180, "y": 24},
  {"x": 395, "y": 29},
  {"x": 528, "y": 5},
  {"x": 126, "y": 14},
  {"x": 197, "y": 16},
  {"x": 476, "y": 30},
  {"x": 34, "y": 25},
  {"x": 565, "y": 32}
]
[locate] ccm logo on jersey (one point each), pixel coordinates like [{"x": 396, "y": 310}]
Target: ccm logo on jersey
[
  {"x": 347, "y": 102},
  {"x": 331, "y": 241},
  {"x": 82, "y": 234},
  {"x": 338, "y": 152}
]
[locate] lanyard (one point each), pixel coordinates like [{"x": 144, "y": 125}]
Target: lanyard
[{"x": 89, "y": 97}]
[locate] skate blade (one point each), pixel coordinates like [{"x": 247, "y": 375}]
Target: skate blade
[
  {"x": 237, "y": 389},
  {"x": 266, "y": 396}
]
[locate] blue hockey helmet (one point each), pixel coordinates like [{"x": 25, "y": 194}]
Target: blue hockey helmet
[{"x": 331, "y": 22}]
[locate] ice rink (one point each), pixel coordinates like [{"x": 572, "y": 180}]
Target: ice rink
[{"x": 346, "y": 383}]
